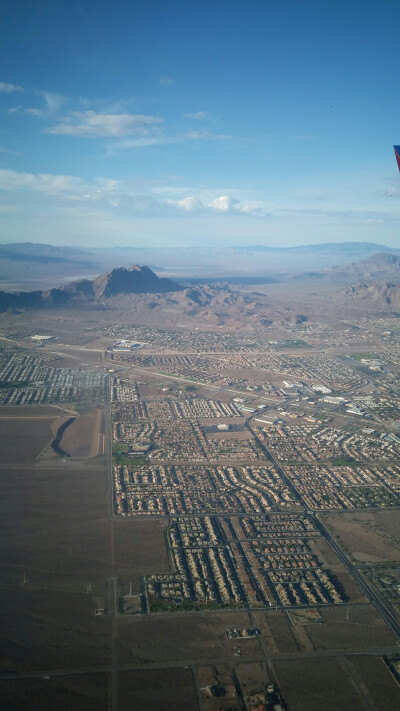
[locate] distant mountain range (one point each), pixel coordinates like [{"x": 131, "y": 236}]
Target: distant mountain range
[
  {"x": 245, "y": 260},
  {"x": 43, "y": 254},
  {"x": 53, "y": 264},
  {"x": 384, "y": 265}
]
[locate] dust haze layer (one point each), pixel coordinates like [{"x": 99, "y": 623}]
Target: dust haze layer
[{"x": 54, "y": 265}]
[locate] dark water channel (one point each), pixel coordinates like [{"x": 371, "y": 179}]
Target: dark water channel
[{"x": 57, "y": 439}]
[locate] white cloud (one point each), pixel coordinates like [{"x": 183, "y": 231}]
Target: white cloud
[
  {"x": 196, "y": 115},
  {"x": 9, "y": 209},
  {"x": 53, "y": 101},
  {"x": 141, "y": 142},
  {"x": 350, "y": 215},
  {"x": 8, "y": 150},
  {"x": 205, "y": 135},
  {"x": 121, "y": 197},
  {"x": 252, "y": 209},
  {"x": 190, "y": 204},
  {"x": 223, "y": 203},
  {"x": 89, "y": 124},
  {"x": 303, "y": 137},
  {"x": 9, "y": 88},
  {"x": 109, "y": 183},
  {"x": 166, "y": 81},
  {"x": 67, "y": 190},
  {"x": 21, "y": 110},
  {"x": 11, "y": 181},
  {"x": 152, "y": 135}
]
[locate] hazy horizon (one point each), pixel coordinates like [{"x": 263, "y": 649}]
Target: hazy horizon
[{"x": 227, "y": 246}]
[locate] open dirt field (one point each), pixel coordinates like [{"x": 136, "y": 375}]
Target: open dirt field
[
  {"x": 254, "y": 678},
  {"x": 85, "y": 355},
  {"x": 86, "y": 693},
  {"x": 23, "y": 436},
  {"x": 169, "y": 690},
  {"x": 54, "y": 539},
  {"x": 83, "y": 437},
  {"x": 370, "y": 537},
  {"x": 373, "y": 675},
  {"x": 47, "y": 629},
  {"x": 350, "y": 627},
  {"x": 220, "y": 676},
  {"x": 351, "y": 592},
  {"x": 140, "y": 549},
  {"x": 317, "y": 685},
  {"x": 276, "y": 630},
  {"x": 325, "y": 554},
  {"x": 342, "y": 627},
  {"x": 58, "y": 361},
  {"x": 251, "y": 675},
  {"x": 31, "y": 411},
  {"x": 198, "y": 636},
  {"x": 351, "y": 589},
  {"x": 54, "y": 526}
]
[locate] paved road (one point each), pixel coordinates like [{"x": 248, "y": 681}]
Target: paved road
[
  {"x": 204, "y": 661},
  {"x": 112, "y": 592},
  {"x": 198, "y": 689}
]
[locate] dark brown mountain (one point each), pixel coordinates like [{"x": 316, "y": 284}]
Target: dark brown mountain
[
  {"x": 382, "y": 266},
  {"x": 206, "y": 305},
  {"x": 137, "y": 291},
  {"x": 135, "y": 280},
  {"x": 379, "y": 296}
]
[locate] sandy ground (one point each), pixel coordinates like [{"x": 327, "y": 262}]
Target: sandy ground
[
  {"x": 316, "y": 685},
  {"x": 169, "y": 690},
  {"x": 54, "y": 544},
  {"x": 22, "y": 438},
  {"x": 82, "y": 437},
  {"x": 195, "y": 636},
  {"x": 86, "y": 693},
  {"x": 378, "y": 682},
  {"x": 370, "y": 537},
  {"x": 140, "y": 549}
]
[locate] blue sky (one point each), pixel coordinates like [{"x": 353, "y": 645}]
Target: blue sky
[{"x": 178, "y": 122}]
